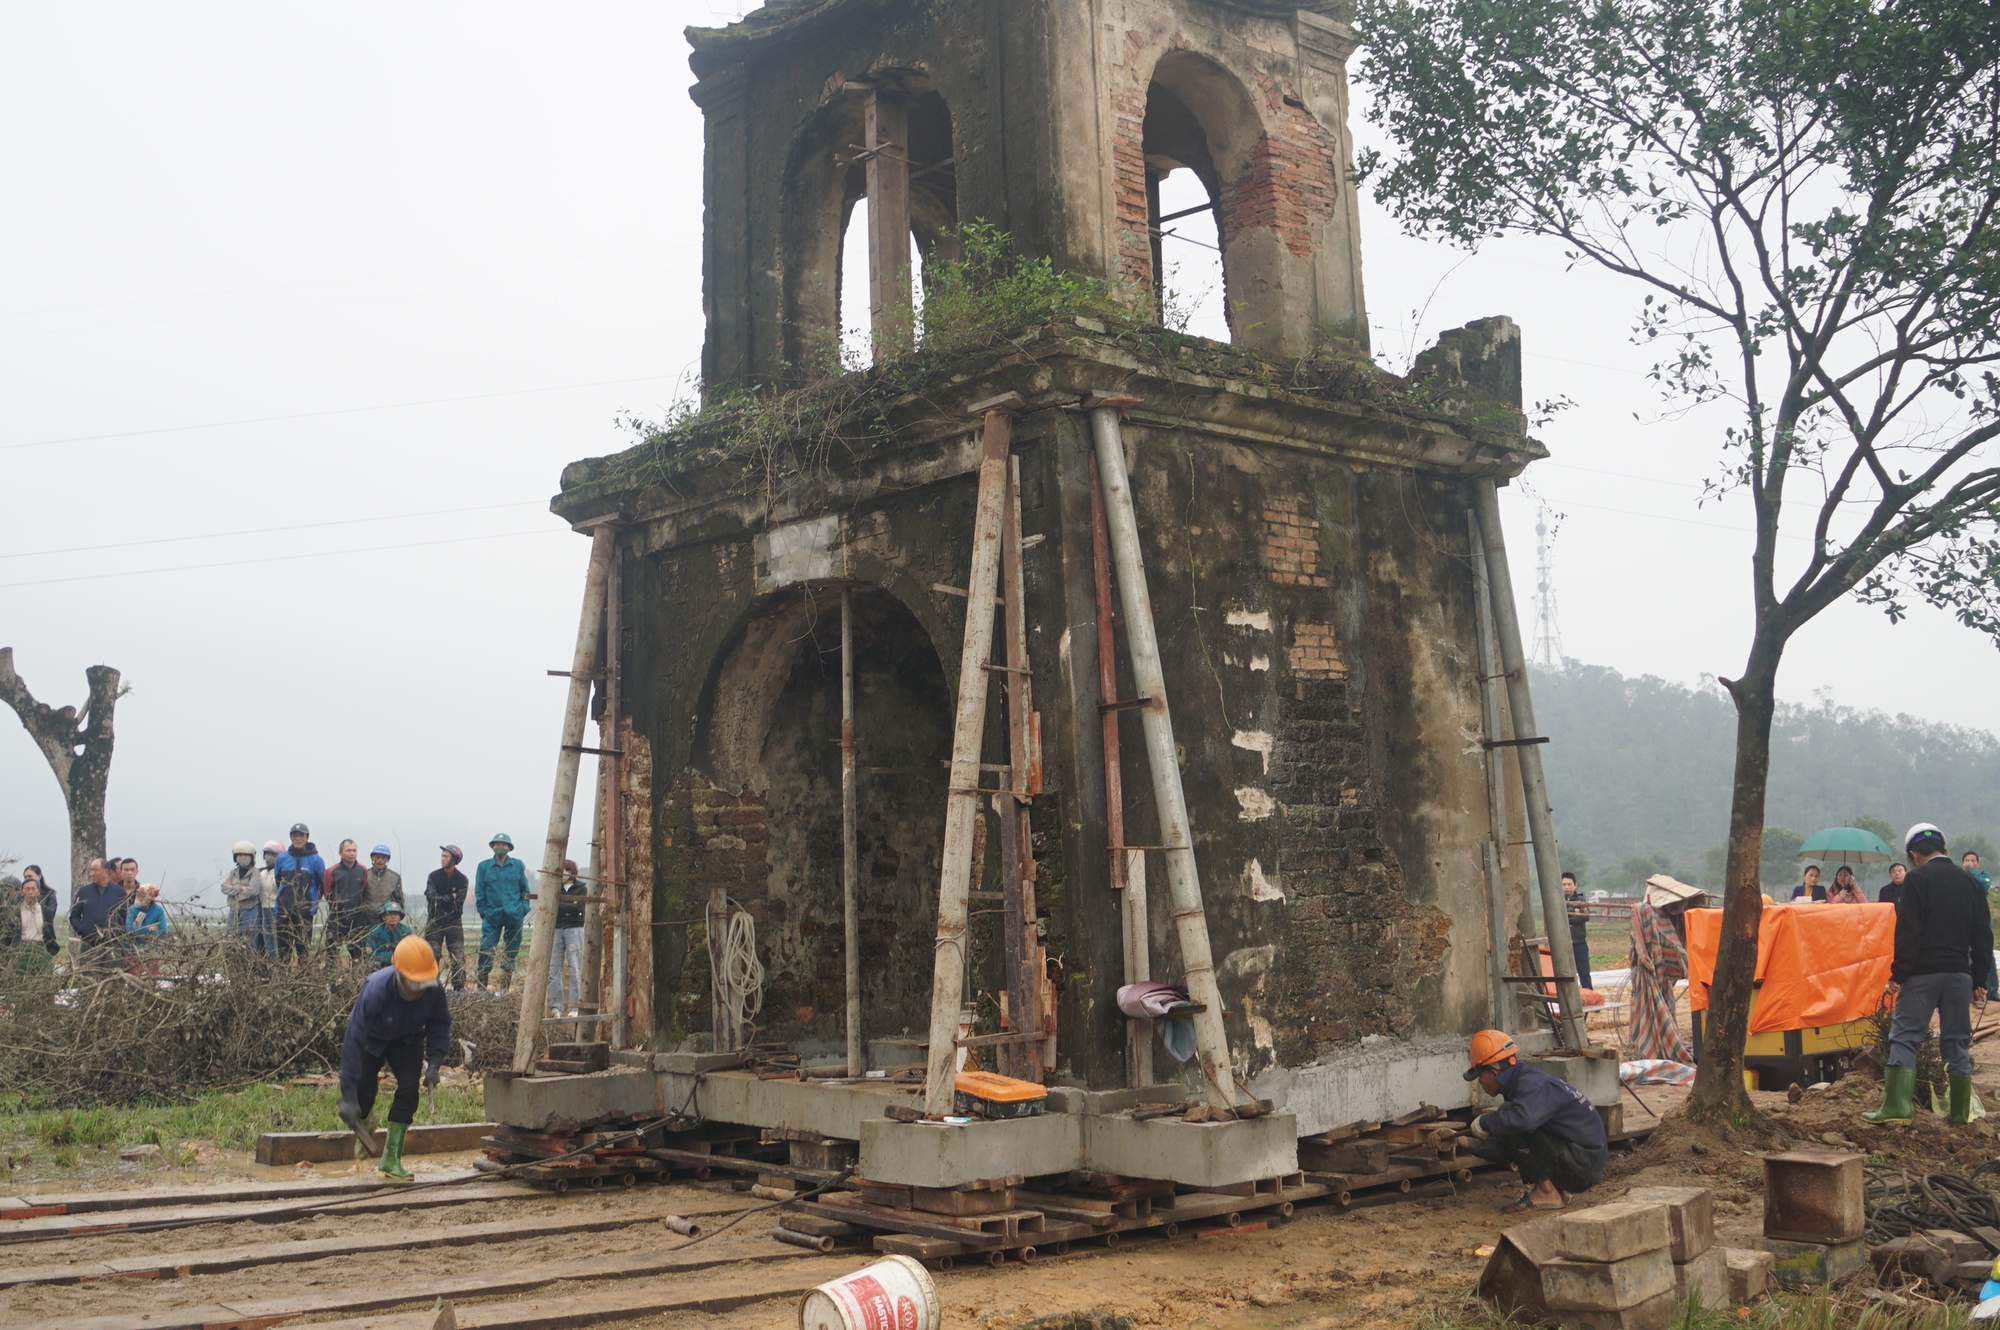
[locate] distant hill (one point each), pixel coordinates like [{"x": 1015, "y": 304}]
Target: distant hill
[{"x": 1639, "y": 774}]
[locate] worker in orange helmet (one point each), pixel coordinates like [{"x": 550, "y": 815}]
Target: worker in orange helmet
[
  {"x": 399, "y": 1018},
  {"x": 1547, "y": 1129}
]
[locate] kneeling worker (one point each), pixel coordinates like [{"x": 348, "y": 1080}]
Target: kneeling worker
[
  {"x": 1547, "y": 1128},
  {"x": 399, "y": 1018}
]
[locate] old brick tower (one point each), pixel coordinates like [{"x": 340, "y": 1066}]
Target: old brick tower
[{"x": 1304, "y": 518}]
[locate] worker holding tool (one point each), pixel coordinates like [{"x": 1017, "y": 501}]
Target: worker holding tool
[
  {"x": 1547, "y": 1128},
  {"x": 399, "y": 1018},
  {"x": 1944, "y": 959}
]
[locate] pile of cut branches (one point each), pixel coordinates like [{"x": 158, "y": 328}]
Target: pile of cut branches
[{"x": 188, "y": 1014}]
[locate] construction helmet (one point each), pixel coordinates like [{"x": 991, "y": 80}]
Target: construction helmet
[
  {"x": 1491, "y": 1049},
  {"x": 244, "y": 847},
  {"x": 501, "y": 838},
  {"x": 415, "y": 962},
  {"x": 1923, "y": 832}
]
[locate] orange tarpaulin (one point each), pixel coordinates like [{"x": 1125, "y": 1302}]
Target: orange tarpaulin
[{"x": 1816, "y": 964}]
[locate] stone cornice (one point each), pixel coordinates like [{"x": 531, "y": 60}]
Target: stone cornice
[{"x": 927, "y": 439}]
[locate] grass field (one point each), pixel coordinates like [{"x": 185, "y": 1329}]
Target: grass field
[{"x": 225, "y": 1119}]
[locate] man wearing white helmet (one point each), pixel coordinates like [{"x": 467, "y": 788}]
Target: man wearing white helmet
[{"x": 1944, "y": 948}]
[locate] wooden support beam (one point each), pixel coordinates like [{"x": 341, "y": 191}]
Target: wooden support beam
[
  {"x": 892, "y": 320},
  {"x": 219, "y": 1260},
  {"x": 720, "y": 1290},
  {"x": 282, "y": 1149},
  {"x": 367, "y": 1203}
]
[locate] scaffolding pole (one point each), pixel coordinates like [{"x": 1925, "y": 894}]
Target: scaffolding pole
[
  {"x": 849, "y": 872},
  {"x": 1526, "y": 744},
  {"x": 562, "y": 803},
  {"x": 1130, "y": 886},
  {"x": 1149, "y": 680},
  {"x": 1492, "y": 854},
  {"x": 968, "y": 733}
]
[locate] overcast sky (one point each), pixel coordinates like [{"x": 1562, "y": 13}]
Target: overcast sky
[{"x": 304, "y": 308}]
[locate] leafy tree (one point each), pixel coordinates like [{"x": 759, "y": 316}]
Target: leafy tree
[
  {"x": 1882, "y": 828},
  {"x": 1632, "y": 874},
  {"x": 1806, "y": 190},
  {"x": 1779, "y": 864}
]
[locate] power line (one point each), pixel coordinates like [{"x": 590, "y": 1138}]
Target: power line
[
  {"x": 335, "y": 411},
  {"x": 270, "y": 530},
  {"x": 285, "y": 558},
  {"x": 193, "y": 316},
  {"x": 337, "y": 281}
]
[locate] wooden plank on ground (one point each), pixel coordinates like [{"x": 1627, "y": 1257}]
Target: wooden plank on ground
[
  {"x": 394, "y": 1198},
  {"x": 523, "y": 1277},
  {"x": 217, "y": 1260},
  {"x": 282, "y": 1149},
  {"x": 726, "y": 1291},
  {"x": 153, "y": 1198}
]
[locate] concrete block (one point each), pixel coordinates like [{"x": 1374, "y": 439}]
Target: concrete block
[
  {"x": 1194, "y": 1154},
  {"x": 1596, "y": 1077},
  {"x": 1655, "y": 1313},
  {"x": 1607, "y": 1286},
  {"x": 947, "y": 1154},
  {"x": 1512, "y": 1279},
  {"x": 1615, "y": 1231},
  {"x": 1813, "y": 1196},
  {"x": 1690, "y": 1214},
  {"x": 1815, "y": 1264},
  {"x": 835, "y": 1111},
  {"x": 1706, "y": 1278},
  {"x": 571, "y": 1103},
  {"x": 1750, "y": 1273}
]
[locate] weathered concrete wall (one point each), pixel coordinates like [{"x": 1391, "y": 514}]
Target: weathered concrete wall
[{"x": 1321, "y": 675}]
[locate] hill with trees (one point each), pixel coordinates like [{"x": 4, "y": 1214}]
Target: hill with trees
[{"x": 1639, "y": 772}]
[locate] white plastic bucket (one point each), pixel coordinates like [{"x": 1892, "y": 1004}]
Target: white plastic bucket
[{"x": 895, "y": 1293}]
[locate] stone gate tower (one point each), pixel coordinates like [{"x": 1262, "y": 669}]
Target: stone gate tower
[{"x": 1304, "y": 518}]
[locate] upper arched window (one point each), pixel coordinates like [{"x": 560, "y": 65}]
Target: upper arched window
[
  {"x": 871, "y": 195},
  {"x": 1200, "y": 141}
]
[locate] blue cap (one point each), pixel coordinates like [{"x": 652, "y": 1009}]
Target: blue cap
[{"x": 382, "y": 850}]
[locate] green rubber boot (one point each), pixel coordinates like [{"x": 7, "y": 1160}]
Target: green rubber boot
[
  {"x": 392, "y": 1154},
  {"x": 1898, "y": 1084},
  {"x": 1961, "y": 1100}
]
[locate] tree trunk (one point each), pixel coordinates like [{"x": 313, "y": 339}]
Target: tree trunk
[
  {"x": 78, "y": 752},
  {"x": 1718, "y": 1089}
]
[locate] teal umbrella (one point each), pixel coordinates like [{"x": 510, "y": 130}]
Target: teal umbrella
[{"x": 1846, "y": 845}]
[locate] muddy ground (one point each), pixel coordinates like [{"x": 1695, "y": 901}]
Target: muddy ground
[{"x": 1376, "y": 1265}]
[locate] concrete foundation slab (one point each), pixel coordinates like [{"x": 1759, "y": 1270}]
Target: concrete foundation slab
[
  {"x": 830, "y": 1110},
  {"x": 949, "y": 1154},
  {"x": 570, "y": 1103},
  {"x": 1194, "y": 1154}
]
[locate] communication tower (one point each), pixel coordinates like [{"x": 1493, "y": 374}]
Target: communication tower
[{"x": 1548, "y": 651}]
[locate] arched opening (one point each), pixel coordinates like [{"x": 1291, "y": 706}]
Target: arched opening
[
  {"x": 880, "y": 148},
  {"x": 857, "y": 332},
  {"x": 1200, "y": 133},
  {"x": 772, "y": 747}
]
